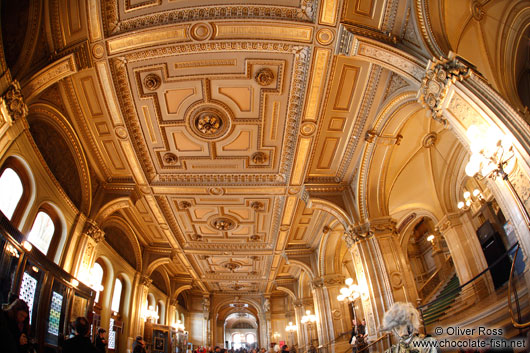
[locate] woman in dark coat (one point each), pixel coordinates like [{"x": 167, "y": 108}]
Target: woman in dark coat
[{"x": 16, "y": 317}]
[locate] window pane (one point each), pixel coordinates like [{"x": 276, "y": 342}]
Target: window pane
[
  {"x": 11, "y": 190},
  {"x": 116, "y": 296},
  {"x": 42, "y": 232},
  {"x": 96, "y": 275},
  {"x": 112, "y": 335},
  {"x": 27, "y": 291}
]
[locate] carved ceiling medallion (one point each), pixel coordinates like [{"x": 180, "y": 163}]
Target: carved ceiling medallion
[
  {"x": 152, "y": 82},
  {"x": 209, "y": 123},
  {"x": 231, "y": 266},
  {"x": 264, "y": 77},
  {"x": 223, "y": 223}
]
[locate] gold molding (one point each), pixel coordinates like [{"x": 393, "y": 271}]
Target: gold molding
[
  {"x": 328, "y": 12},
  {"x": 148, "y": 38},
  {"x": 49, "y": 75},
  {"x": 94, "y": 21},
  {"x": 301, "y": 160},
  {"x": 316, "y": 84},
  {"x": 269, "y": 31}
]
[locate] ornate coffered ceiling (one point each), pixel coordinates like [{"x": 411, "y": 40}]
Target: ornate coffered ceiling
[{"x": 219, "y": 121}]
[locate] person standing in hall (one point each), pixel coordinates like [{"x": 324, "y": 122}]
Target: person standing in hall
[
  {"x": 81, "y": 342},
  {"x": 15, "y": 318},
  {"x": 101, "y": 341}
]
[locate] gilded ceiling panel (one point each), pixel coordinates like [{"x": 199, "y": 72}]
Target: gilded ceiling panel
[
  {"x": 198, "y": 117},
  {"x": 346, "y": 92},
  {"x": 222, "y": 219},
  {"x": 127, "y": 15}
]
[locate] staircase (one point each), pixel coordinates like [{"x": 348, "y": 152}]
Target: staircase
[{"x": 440, "y": 306}]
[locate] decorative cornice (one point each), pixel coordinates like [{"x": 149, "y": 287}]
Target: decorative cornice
[
  {"x": 113, "y": 25},
  {"x": 439, "y": 76}
]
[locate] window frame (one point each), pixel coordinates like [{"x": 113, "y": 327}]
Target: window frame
[{"x": 17, "y": 166}]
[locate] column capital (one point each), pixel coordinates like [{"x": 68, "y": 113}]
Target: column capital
[
  {"x": 333, "y": 280},
  {"x": 92, "y": 230},
  {"x": 448, "y": 221},
  {"x": 13, "y": 102},
  {"x": 145, "y": 281},
  {"x": 383, "y": 225},
  {"x": 317, "y": 283},
  {"x": 206, "y": 303},
  {"x": 439, "y": 76},
  {"x": 298, "y": 303}
]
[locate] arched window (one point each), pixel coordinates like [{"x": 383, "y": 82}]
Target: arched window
[
  {"x": 11, "y": 189},
  {"x": 15, "y": 189},
  {"x": 96, "y": 276},
  {"x": 116, "y": 297},
  {"x": 250, "y": 338},
  {"x": 45, "y": 233},
  {"x": 42, "y": 232}
]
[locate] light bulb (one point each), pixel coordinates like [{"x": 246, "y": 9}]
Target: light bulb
[
  {"x": 467, "y": 194},
  {"x": 476, "y": 192},
  {"x": 349, "y": 281},
  {"x": 474, "y": 133},
  {"x": 468, "y": 203},
  {"x": 340, "y": 297},
  {"x": 461, "y": 205},
  {"x": 344, "y": 291},
  {"x": 487, "y": 168},
  {"x": 472, "y": 168},
  {"x": 27, "y": 245},
  {"x": 430, "y": 237}
]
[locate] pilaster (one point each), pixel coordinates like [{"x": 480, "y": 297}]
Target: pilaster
[{"x": 465, "y": 250}]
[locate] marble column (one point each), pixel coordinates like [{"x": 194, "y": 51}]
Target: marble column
[
  {"x": 142, "y": 289},
  {"x": 328, "y": 309},
  {"x": 381, "y": 271},
  {"x": 300, "y": 333},
  {"x": 206, "y": 327},
  {"x": 466, "y": 252},
  {"x": 89, "y": 239}
]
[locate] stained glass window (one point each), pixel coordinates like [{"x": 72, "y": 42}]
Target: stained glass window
[
  {"x": 42, "y": 231},
  {"x": 112, "y": 335},
  {"x": 55, "y": 313},
  {"x": 27, "y": 291},
  {"x": 11, "y": 189}
]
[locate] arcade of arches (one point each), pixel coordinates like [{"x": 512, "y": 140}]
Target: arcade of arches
[{"x": 225, "y": 167}]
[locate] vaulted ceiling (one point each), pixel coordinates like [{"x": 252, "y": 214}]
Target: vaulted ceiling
[{"x": 219, "y": 121}]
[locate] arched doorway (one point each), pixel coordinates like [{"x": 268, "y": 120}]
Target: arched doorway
[{"x": 241, "y": 331}]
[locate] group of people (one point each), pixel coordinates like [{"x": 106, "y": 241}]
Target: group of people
[{"x": 358, "y": 338}]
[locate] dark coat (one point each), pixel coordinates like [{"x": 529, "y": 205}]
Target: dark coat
[{"x": 79, "y": 344}]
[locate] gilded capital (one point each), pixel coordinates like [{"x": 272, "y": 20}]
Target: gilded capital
[
  {"x": 439, "y": 76},
  {"x": 93, "y": 231},
  {"x": 146, "y": 281},
  {"x": 13, "y": 101}
]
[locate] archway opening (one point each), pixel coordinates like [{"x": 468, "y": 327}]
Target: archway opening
[{"x": 241, "y": 330}]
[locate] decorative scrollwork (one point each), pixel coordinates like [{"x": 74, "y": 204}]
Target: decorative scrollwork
[
  {"x": 14, "y": 102},
  {"x": 92, "y": 230},
  {"x": 440, "y": 75}
]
